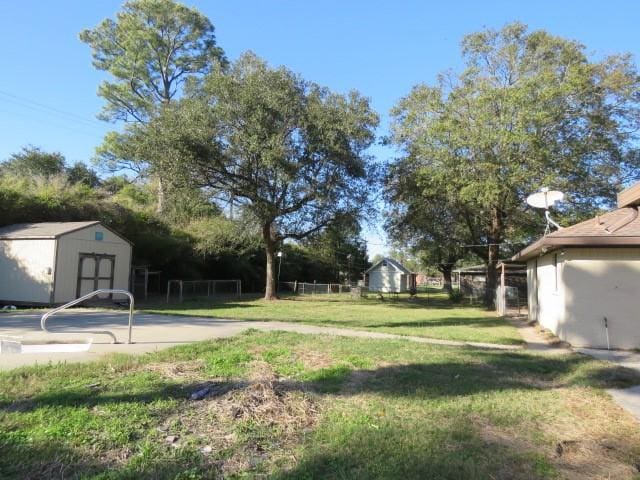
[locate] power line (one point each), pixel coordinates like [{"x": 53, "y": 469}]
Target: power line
[
  {"x": 47, "y": 109},
  {"x": 53, "y": 125},
  {"x": 71, "y": 128}
]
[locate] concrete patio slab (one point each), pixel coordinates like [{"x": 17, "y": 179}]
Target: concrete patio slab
[
  {"x": 153, "y": 332},
  {"x": 622, "y": 357},
  {"x": 627, "y": 398}
]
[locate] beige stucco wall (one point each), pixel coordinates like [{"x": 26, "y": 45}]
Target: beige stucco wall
[
  {"x": 386, "y": 279},
  {"x": 532, "y": 289},
  {"x": 83, "y": 241},
  {"x": 593, "y": 283},
  {"x": 551, "y": 303},
  {"x": 26, "y": 270}
]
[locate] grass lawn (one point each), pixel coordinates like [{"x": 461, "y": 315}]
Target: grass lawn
[
  {"x": 433, "y": 317},
  {"x": 292, "y": 406}
]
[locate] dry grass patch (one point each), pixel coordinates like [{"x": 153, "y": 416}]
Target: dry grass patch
[
  {"x": 260, "y": 420},
  {"x": 586, "y": 438},
  {"x": 594, "y": 438},
  {"x": 314, "y": 360},
  {"x": 288, "y": 406},
  {"x": 175, "y": 370}
]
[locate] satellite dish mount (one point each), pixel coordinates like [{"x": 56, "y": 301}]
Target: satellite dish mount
[{"x": 546, "y": 198}]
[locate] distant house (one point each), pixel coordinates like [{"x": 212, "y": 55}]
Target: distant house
[
  {"x": 584, "y": 281},
  {"x": 54, "y": 262},
  {"x": 389, "y": 276}
]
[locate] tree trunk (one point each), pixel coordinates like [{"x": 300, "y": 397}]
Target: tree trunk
[
  {"x": 493, "y": 253},
  {"x": 270, "y": 292},
  {"x": 492, "y": 277},
  {"x": 160, "y": 196},
  {"x": 446, "y": 276}
]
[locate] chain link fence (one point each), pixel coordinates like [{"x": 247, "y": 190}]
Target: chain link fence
[
  {"x": 306, "y": 288},
  {"x": 202, "y": 288}
]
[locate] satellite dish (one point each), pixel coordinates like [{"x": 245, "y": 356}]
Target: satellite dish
[{"x": 546, "y": 198}]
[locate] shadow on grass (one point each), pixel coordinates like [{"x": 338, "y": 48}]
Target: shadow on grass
[
  {"x": 42, "y": 459},
  {"x": 489, "y": 372},
  {"x": 446, "y": 322},
  {"x": 240, "y": 302},
  {"x": 454, "y": 452},
  {"x": 449, "y": 450}
]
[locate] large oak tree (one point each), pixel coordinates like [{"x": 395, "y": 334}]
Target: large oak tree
[
  {"x": 529, "y": 110},
  {"x": 291, "y": 153}
]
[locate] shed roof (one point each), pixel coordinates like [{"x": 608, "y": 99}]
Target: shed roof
[
  {"x": 482, "y": 268},
  {"x": 42, "y": 230},
  {"x": 472, "y": 269},
  {"x": 618, "y": 228},
  {"x": 394, "y": 263}
]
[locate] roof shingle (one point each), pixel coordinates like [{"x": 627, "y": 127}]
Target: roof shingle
[{"x": 41, "y": 230}]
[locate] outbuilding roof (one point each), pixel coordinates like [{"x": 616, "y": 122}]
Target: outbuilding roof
[
  {"x": 41, "y": 230},
  {"x": 482, "y": 268},
  {"x": 618, "y": 228},
  {"x": 394, "y": 263}
]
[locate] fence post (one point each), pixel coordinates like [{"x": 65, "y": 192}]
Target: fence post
[
  {"x": 181, "y": 284},
  {"x": 295, "y": 287},
  {"x": 168, "y": 289},
  {"x": 328, "y": 288},
  {"x": 239, "y": 287}
]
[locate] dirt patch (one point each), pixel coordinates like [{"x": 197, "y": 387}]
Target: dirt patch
[
  {"x": 313, "y": 360},
  {"x": 356, "y": 380},
  {"x": 253, "y": 423},
  {"x": 508, "y": 440},
  {"x": 188, "y": 369},
  {"x": 591, "y": 438},
  {"x": 595, "y": 438}
]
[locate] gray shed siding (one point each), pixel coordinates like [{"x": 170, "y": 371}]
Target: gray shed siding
[
  {"x": 26, "y": 270},
  {"x": 39, "y": 264},
  {"x": 387, "y": 279}
]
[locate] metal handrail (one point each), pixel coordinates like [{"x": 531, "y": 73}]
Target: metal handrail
[{"x": 43, "y": 319}]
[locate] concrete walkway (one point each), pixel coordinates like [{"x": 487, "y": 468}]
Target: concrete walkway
[
  {"x": 154, "y": 332},
  {"x": 534, "y": 340},
  {"x": 627, "y": 398}
]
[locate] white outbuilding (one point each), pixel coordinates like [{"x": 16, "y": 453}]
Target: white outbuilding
[
  {"x": 55, "y": 262},
  {"x": 389, "y": 276},
  {"x": 583, "y": 281}
]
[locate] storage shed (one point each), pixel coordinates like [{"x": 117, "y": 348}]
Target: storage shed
[
  {"x": 583, "y": 280},
  {"x": 389, "y": 276},
  {"x": 55, "y": 262}
]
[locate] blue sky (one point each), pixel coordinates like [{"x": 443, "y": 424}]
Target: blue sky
[{"x": 380, "y": 48}]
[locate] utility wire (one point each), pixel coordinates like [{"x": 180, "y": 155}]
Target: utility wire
[
  {"x": 42, "y": 108},
  {"x": 53, "y": 125}
]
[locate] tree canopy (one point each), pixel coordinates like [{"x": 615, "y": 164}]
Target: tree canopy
[
  {"x": 431, "y": 223},
  {"x": 32, "y": 161},
  {"x": 151, "y": 50},
  {"x": 291, "y": 153},
  {"x": 529, "y": 110}
]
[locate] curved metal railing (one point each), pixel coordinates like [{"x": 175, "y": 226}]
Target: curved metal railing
[{"x": 43, "y": 319}]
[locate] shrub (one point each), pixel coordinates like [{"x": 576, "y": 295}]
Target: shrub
[{"x": 456, "y": 296}]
